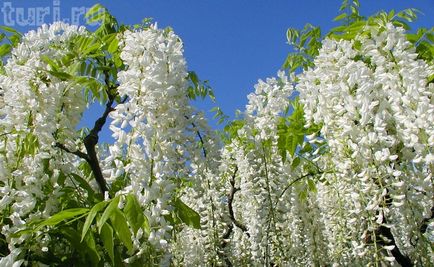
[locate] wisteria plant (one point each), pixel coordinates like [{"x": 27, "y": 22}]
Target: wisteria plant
[{"x": 330, "y": 164}]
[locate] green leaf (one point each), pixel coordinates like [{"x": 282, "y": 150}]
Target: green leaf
[
  {"x": 86, "y": 250},
  {"x": 9, "y": 29},
  {"x": 94, "y": 10},
  {"x": 50, "y": 62},
  {"x": 118, "y": 61},
  {"x": 430, "y": 79},
  {"x": 97, "y": 17},
  {"x": 85, "y": 185},
  {"x": 91, "y": 250},
  {"x": 5, "y": 49},
  {"x": 107, "y": 240},
  {"x": 391, "y": 14},
  {"x": 107, "y": 39},
  {"x": 91, "y": 48},
  {"x": 340, "y": 17},
  {"x": 91, "y": 216},
  {"x": 62, "y": 216},
  {"x": 113, "y": 47},
  {"x": 67, "y": 60},
  {"x": 295, "y": 163},
  {"x": 63, "y": 76},
  {"x": 402, "y": 24},
  {"x": 15, "y": 39},
  {"x": 311, "y": 185},
  {"x": 281, "y": 140},
  {"x": 73, "y": 236},
  {"x": 186, "y": 214},
  {"x": 134, "y": 213},
  {"x": 61, "y": 179},
  {"x": 111, "y": 208},
  {"x": 120, "y": 226},
  {"x": 292, "y": 135},
  {"x": 291, "y": 144},
  {"x": 28, "y": 231},
  {"x": 193, "y": 77},
  {"x": 233, "y": 127},
  {"x": 344, "y": 5},
  {"x": 292, "y": 35},
  {"x": 409, "y": 14},
  {"x": 146, "y": 226}
]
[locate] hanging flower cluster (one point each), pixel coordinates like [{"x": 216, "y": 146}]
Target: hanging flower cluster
[
  {"x": 39, "y": 110},
  {"x": 255, "y": 217},
  {"x": 330, "y": 167},
  {"x": 361, "y": 202},
  {"x": 372, "y": 98},
  {"x": 260, "y": 175},
  {"x": 156, "y": 130}
]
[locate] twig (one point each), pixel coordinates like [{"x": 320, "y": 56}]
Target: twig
[
  {"x": 198, "y": 135},
  {"x": 78, "y": 153},
  {"x": 230, "y": 201},
  {"x": 4, "y": 134},
  {"x": 292, "y": 183}
]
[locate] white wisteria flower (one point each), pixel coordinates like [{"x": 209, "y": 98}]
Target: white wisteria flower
[{"x": 372, "y": 98}]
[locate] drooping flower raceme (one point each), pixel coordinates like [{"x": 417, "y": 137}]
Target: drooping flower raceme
[
  {"x": 372, "y": 98},
  {"x": 156, "y": 130},
  {"x": 265, "y": 222},
  {"x": 161, "y": 142},
  {"x": 39, "y": 110},
  {"x": 265, "y": 197},
  {"x": 283, "y": 228}
]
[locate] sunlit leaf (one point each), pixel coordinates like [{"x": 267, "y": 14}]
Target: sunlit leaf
[
  {"x": 91, "y": 216},
  {"x": 134, "y": 213},
  {"x": 62, "y": 216},
  {"x": 186, "y": 214},
  {"x": 109, "y": 211},
  {"x": 107, "y": 240},
  {"x": 120, "y": 227}
]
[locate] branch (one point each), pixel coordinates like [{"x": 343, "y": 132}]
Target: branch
[
  {"x": 201, "y": 140},
  {"x": 292, "y": 183},
  {"x": 230, "y": 200},
  {"x": 384, "y": 231},
  {"x": 4, "y": 134},
  {"x": 386, "y": 237},
  {"x": 230, "y": 229},
  {"x": 424, "y": 225},
  {"x": 91, "y": 140},
  {"x": 78, "y": 153},
  {"x": 223, "y": 244}
]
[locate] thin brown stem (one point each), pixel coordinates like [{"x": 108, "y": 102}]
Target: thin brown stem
[
  {"x": 78, "y": 153},
  {"x": 231, "y": 195},
  {"x": 199, "y": 135}
]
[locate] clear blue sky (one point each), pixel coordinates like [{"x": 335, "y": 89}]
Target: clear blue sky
[{"x": 231, "y": 43}]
